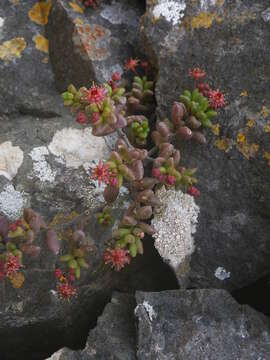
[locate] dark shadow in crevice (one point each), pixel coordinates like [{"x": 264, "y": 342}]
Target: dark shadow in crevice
[{"x": 256, "y": 295}]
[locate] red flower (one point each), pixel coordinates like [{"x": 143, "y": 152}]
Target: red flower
[
  {"x": 118, "y": 258},
  {"x": 216, "y": 99},
  {"x": 101, "y": 173},
  {"x": 12, "y": 265},
  {"x": 170, "y": 180},
  {"x": 65, "y": 290},
  {"x": 88, "y": 3},
  {"x": 203, "y": 89},
  {"x": 94, "y": 117},
  {"x": 196, "y": 73},
  {"x": 193, "y": 191},
  {"x": 116, "y": 76},
  {"x": 57, "y": 273},
  {"x": 12, "y": 227},
  {"x": 131, "y": 64},
  {"x": 81, "y": 118},
  {"x": 95, "y": 94}
]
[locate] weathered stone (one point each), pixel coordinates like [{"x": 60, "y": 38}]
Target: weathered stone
[
  {"x": 97, "y": 42},
  {"x": 230, "y": 41},
  {"x": 199, "y": 324},
  {"x": 26, "y": 82}
]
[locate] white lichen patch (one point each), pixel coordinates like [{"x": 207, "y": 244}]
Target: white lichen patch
[
  {"x": 266, "y": 15},
  {"x": 41, "y": 168},
  {"x": 77, "y": 147},
  {"x": 11, "y": 158},
  {"x": 117, "y": 13},
  {"x": 222, "y": 274},
  {"x": 11, "y": 202},
  {"x": 148, "y": 308},
  {"x": 172, "y": 11},
  {"x": 175, "y": 223},
  {"x": 2, "y": 20},
  {"x": 206, "y": 4}
]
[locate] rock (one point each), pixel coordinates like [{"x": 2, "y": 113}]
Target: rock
[
  {"x": 199, "y": 324},
  {"x": 97, "y": 42},
  {"x": 232, "y": 238},
  {"x": 26, "y": 83},
  {"x": 114, "y": 337}
]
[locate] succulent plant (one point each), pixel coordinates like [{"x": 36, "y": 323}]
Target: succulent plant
[
  {"x": 141, "y": 98},
  {"x": 138, "y": 129},
  {"x": 104, "y": 217}
]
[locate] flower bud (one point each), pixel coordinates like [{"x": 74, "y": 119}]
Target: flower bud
[
  {"x": 198, "y": 137},
  {"x": 184, "y": 133},
  {"x": 177, "y": 113},
  {"x": 144, "y": 213}
]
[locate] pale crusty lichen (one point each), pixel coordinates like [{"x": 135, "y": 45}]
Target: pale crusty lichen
[
  {"x": 172, "y": 11},
  {"x": 11, "y": 202},
  {"x": 78, "y": 147},
  {"x": 11, "y": 158},
  {"x": 175, "y": 223},
  {"x": 41, "y": 168}
]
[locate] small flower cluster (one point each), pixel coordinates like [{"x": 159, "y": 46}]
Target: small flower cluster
[
  {"x": 64, "y": 288},
  {"x": 117, "y": 258}
]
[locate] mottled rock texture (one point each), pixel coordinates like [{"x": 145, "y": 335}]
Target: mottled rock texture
[
  {"x": 97, "y": 42},
  {"x": 230, "y": 41},
  {"x": 176, "y": 325}
]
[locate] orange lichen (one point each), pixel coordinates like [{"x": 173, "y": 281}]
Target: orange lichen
[
  {"x": 244, "y": 93},
  {"x": 264, "y": 111},
  {"x": 17, "y": 280},
  {"x": 204, "y": 20},
  {"x": 39, "y": 12},
  {"x": 76, "y": 7},
  {"x": 78, "y": 21},
  {"x": 241, "y": 138},
  {"x": 12, "y": 49},
  {"x": 41, "y": 43}
]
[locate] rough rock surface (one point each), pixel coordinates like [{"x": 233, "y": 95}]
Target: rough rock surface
[
  {"x": 97, "y": 42},
  {"x": 44, "y": 164},
  {"x": 176, "y": 325},
  {"x": 199, "y": 324},
  {"x": 228, "y": 39}
]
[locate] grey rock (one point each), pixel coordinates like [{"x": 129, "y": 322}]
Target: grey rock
[
  {"x": 230, "y": 41},
  {"x": 114, "y": 337},
  {"x": 26, "y": 82},
  {"x": 97, "y": 43},
  {"x": 199, "y": 324}
]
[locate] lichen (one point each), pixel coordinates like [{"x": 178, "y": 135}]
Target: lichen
[
  {"x": 77, "y": 147},
  {"x": 11, "y": 202},
  {"x": 172, "y": 11},
  {"x": 148, "y": 308},
  {"x": 222, "y": 274},
  {"x": 11, "y": 158},
  {"x": 41, "y": 168},
  {"x": 175, "y": 223},
  {"x": 117, "y": 13}
]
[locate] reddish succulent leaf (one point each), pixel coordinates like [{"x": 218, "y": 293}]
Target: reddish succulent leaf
[
  {"x": 138, "y": 169},
  {"x": 78, "y": 235},
  {"x": 129, "y": 220},
  {"x": 148, "y": 229},
  {"x": 110, "y": 193},
  {"x": 144, "y": 212},
  {"x": 53, "y": 242}
]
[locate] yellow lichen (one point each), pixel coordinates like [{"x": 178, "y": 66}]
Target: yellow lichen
[
  {"x": 266, "y": 155},
  {"x": 78, "y": 21},
  {"x": 267, "y": 127},
  {"x": 244, "y": 93},
  {"x": 40, "y": 12},
  {"x": 45, "y": 60},
  {"x": 12, "y": 49},
  {"x": 222, "y": 144},
  {"x": 204, "y": 20},
  {"x": 41, "y": 43},
  {"x": 250, "y": 123},
  {"x": 76, "y": 7},
  {"x": 241, "y": 138},
  {"x": 248, "y": 150},
  {"x": 264, "y": 111},
  {"x": 215, "y": 129}
]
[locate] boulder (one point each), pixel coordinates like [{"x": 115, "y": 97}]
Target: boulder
[
  {"x": 97, "y": 41},
  {"x": 229, "y": 40},
  {"x": 199, "y": 324}
]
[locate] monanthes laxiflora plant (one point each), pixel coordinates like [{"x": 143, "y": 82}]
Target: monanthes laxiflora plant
[{"x": 144, "y": 146}]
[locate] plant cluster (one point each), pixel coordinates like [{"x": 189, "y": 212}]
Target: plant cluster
[{"x": 144, "y": 159}]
